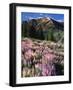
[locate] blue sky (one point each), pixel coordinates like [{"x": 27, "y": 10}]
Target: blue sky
[{"x": 28, "y": 16}]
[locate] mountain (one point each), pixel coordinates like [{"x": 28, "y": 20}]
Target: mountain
[{"x": 43, "y": 28}]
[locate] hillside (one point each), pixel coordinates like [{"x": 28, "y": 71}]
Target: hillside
[{"x": 43, "y": 29}]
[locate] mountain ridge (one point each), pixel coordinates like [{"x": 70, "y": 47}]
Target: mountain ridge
[{"x": 43, "y": 28}]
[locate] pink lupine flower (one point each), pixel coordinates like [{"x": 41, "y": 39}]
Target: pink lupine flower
[
  {"x": 46, "y": 71},
  {"x": 53, "y": 70},
  {"x": 28, "y": 54},
  {"x": 49, "y": 56},
  {"x": 26, "y": 44}
]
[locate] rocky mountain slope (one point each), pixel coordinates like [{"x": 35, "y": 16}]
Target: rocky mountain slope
[{"x": 43, "y": 29}]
